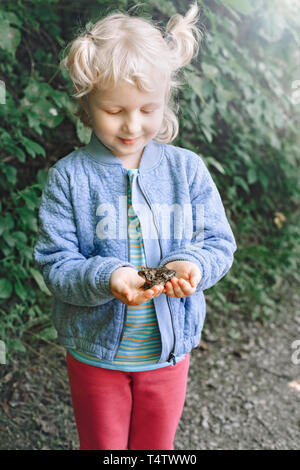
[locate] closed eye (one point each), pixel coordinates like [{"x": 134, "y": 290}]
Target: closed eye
[{"x": 118, "y": 112}]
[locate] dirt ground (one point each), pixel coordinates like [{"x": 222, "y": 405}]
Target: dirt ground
[{"x": 243, "y": 389}]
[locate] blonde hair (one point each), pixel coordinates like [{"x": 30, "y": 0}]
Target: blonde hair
[{"x": 123, "y": 47}]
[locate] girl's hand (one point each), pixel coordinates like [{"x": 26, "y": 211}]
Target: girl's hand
[
  {"x": 125, "y": 285},
  {"x": 185, "y": 282}
]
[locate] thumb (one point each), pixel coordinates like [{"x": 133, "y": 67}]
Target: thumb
[{"x": 121, "y": 288}]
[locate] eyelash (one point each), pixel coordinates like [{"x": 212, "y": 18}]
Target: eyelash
[{"x": 146, "y": 112}]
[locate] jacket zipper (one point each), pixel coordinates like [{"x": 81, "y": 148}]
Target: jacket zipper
[
  {"x": 172, "y": 355},
  {"x": 124, "y": 306}
]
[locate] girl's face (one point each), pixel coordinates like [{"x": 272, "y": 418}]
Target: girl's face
[{"x": 125, "y": 119}]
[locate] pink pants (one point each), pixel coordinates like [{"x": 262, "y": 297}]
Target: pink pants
[{"x": 116, "y": 410}]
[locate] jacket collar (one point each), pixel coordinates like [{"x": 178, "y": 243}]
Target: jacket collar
[{"x": 151, "y": 155}]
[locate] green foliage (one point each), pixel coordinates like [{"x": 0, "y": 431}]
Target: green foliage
[
  {"x": 240, "y": 114},
  {"x": 238, "y": 110}
]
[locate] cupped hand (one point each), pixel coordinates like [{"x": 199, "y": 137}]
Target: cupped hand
[
  {"x": 126, "y": 286},
  {"x": 185, "y": 282}
]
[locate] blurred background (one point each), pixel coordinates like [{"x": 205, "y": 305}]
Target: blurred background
[{"x": 239, "y": 110}]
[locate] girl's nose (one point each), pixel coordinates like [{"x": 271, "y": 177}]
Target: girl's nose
[{"x": 132, "y": 125}]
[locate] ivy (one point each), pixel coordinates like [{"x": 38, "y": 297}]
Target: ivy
[{"x": 239, "y": 110}]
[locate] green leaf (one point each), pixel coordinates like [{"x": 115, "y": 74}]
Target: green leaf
[
  {"x": 10, "y": 37},
  {"x": 6, "y": 223},
  {"x": 2, "y": 224},
  {"x": 10, "y": 173},
  {"x": 263, "y": 179},
  {"x": 209, "y": 70},
  {"x": 47, "y": 113},
  {"x": 20, "y": 237},
  {"x": 26, "y": 252},
  {"x": 212, "y": 161},
  {"x": 28, "y": 218},
  {"x": 83, "y": 132},
  {"x": 49, "y": 333},
  {"x": 38, "y": 105},
  {"x": 30, "y": 197},
  {"x": 9, "y": 239},
  {"x": 33, "y": 148},
  {"x": 207, "y": 134},
  {"x": 251, "y": 175},
  {"x": 62, "y": 100},
  {"x": 20, "y": 154},
  {"x": 16, "y": 345},
  {"x": 20, "y": 290},
  {"x": 40, "y": 281},
  {"x": 42, "y": 177},
  {"x": 239, "y": 181},
  {"x": 5, "y": 288},
  {"x": 195, "y": 82}
]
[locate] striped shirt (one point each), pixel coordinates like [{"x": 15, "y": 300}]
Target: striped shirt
[{"x": 140, "y": 346}]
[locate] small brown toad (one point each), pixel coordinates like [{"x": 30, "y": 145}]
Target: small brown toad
[{"x": 155, "y": 276}]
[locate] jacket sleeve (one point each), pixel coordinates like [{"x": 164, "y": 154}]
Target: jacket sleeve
[
  {"x": 212, "y": 245},
  {"x": 69, "y": 275}
]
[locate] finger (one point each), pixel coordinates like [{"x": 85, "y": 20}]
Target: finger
[
  {"x": 176, "y": 287},
  {"x": 128, "y": 297},
  {"x": 194, "y": 278},
  {"x": 156, "y": 291},
  {"x": 169, "y": 289},
  {"x": 127, "y": 294},
  {"x": 194, "y": 282},
  {"x": 148, "y": 293},
  {"x": 185, "y": 287},
  {"x": 158, "y": 288},
  {"x": 137, "y": 298}
]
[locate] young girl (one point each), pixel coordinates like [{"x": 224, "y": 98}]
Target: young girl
[{"x": 130, "y": 199}]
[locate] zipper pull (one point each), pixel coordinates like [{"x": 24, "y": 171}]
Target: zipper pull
[{"x": 172, "y": 356}]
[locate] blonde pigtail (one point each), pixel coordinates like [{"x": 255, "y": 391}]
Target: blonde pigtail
[
  {"x": 184, "y": 36},
  {"x": 80, "y": 64}
]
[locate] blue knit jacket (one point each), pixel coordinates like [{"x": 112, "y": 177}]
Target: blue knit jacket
[{"x": 82, "y": 239}]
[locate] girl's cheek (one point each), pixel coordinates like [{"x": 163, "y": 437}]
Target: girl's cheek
[{"x": 106, "y": 126}]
